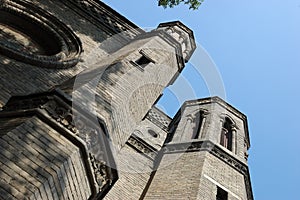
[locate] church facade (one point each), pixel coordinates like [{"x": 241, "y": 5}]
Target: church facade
[{"x": 79, "y": 83}]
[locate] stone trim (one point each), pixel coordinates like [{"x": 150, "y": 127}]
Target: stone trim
[
  {"x": 101, "y": 172},
  {"x": 143, "y": 147},
  {"x": 68, "y": 46},
  {"x": 216, "y": 151},
  {"x": 218, "y": 100},
  {"x": 158, "y": 118},
  {"x": 189, "y": 41}
]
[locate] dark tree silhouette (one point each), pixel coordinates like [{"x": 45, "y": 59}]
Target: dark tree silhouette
[{"x": 193, "y": 4}]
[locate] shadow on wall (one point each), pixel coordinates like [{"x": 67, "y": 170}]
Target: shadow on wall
[{"x": 91, "y": 22}]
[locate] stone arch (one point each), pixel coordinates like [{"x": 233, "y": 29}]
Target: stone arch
[{"x": 32, "y": 35}]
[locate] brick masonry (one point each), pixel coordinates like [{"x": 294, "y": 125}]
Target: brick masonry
[
  {"x": 38, "y": 163},
  {"x": 38, "y": 160}
]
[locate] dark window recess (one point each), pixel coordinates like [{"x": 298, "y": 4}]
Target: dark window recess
[
  {"x": 221, "y": 194},
  {"x": 197, "y": 128},
  {"x": 226, "y": 134},
  {"x": 142, "y": 61}
]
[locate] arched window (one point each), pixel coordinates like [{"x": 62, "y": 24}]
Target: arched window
[{"x": 226, "y": 134}]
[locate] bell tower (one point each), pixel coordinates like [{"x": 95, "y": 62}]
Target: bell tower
[
  {"x": 78, "y": 88},
  {"x": 205, "y": 156}
]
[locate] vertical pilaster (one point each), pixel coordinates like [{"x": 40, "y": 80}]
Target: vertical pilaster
[{"x": 234, "y": 139}]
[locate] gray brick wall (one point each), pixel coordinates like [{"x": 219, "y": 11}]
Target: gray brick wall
[
  {"x": 124, "y": 93},
  {"x": 38, "y": 163},
  {"x": 134, "y": 171},
  {"x": 215, "y": 173},
  {"x": 178, "y": 177},
  {"x": 195, "y": 175}
]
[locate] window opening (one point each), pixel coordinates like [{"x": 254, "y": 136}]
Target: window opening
[
  {"x": 226, "y": 134},
  {"x": 197, "y": 128},
  {"x": 142, "y": 61},
  {"x": 221, "y": 194}
]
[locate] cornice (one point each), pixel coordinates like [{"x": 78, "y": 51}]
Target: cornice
[
  {"x": 218, "y": 100},
  {"x": 142, "y": 147},
  {"x": 187, "y": 30}
]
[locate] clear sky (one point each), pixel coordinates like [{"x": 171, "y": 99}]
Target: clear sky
[{"x": 256, "y": 48}]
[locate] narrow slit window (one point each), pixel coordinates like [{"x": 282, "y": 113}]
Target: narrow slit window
[
  {"x": 226, "y": 134},
  {"x": 197, "y": 128}
]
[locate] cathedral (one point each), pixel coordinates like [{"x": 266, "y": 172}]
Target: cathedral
[{"x": 78, "y": 88}]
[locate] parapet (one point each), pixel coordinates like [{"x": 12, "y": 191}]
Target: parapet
[{"x": 183, "y": 35}]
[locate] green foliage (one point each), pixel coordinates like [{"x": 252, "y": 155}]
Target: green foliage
[{"x": 194, "y": 4}]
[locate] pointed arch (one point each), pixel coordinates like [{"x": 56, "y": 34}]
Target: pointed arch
[
  {"x": 198, "y": 119},
  {"x": 226, "y": 133}
]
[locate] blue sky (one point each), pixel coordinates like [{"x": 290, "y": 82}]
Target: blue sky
[{"x": 256, "y": 48}]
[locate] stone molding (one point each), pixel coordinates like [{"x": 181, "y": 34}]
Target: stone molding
[
  {"x": 158, "y": 118},
  {"x": 101, "y": 172},
  {"x": 217, "y": 151},
  {"x": 218, "y": 100},
  {"x": 183, "y": 35},
  {"x": 67, "y": 46},
  {"x": 142, "y": 147}
]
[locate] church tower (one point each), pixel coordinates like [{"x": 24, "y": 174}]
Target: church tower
[
  {"x": 79, "y": 83},
  {"x": 205, "y": 156}
]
